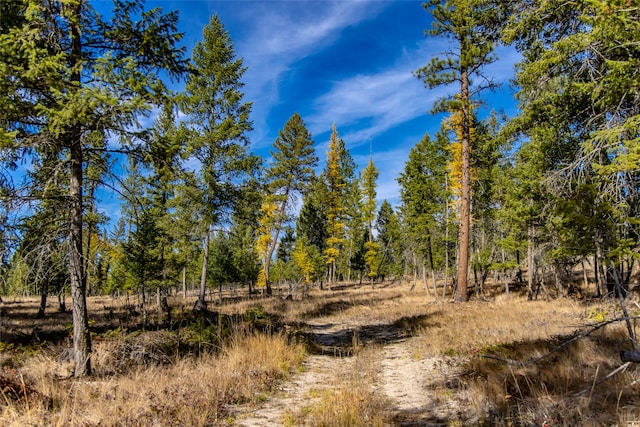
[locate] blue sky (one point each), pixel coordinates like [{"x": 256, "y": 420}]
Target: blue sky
[{"x": 343, "y": 62}]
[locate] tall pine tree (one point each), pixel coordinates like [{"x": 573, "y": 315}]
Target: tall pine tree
[
  {"x": 472, "y": 25},
  {"x": 216, "y": 131},
  {"x": 289, "y": 176},
  {"x": 69, "y": 71}
]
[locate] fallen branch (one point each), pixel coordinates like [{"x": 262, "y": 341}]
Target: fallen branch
[
  {"x": 630, "y": 356},
  {"x": 566, "y": 343},
  {"x": 621, "y": 368}
]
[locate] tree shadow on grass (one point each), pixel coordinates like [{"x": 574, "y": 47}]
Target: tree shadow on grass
[
  {"x": 340, "y": 304},
  {"x": 334, "y": 340},
  {"x": 556, "y": 381}
]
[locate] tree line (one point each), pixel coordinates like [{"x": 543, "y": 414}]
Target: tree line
[{"x": 529, "y": 197}]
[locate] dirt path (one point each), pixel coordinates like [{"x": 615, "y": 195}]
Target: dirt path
[
  {"x": 420, "y": 391},
  {"x": 318, "y": 374}
]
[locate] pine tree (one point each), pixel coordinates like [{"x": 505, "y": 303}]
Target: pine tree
[
  {"x": 288, "y": 176},
  {"x": 67, "y": 72},
  {"x": 579, "y": 106},
  {"x": 369, "y": 178},
  {"x": 216, "y": 128},
  {"x": 389, "y": 238},
  {"x": 472, "y": 25},
  {"x": 335, "y": 186},
  {"x": 426, "y": 194}
]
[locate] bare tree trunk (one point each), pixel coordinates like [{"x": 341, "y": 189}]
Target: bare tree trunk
[
  {"x": 424, "y": 278},
  {"x": 184, "y": 282},
  {"x": 433, "y": 269},
  {"x": 530, "y": 262},
  {"x": 43, "y": 297},
  {"x": 81, "y": 335},
  {"x": 446, "y": 239},
  {"x": 596, "y": 275},
  {"x": 465, "y": 196},
  {"x": 415, "y": 273},
  {"x": 201, "y": 303},
  {"x": 584, "y": 276}
]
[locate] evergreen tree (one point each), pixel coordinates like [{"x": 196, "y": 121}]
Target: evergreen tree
[
  {"x": 312, "y": 219},
  {"x": 425, "y": 195},
  {"x": 288, "y": 176},
  {"x": 215, "y": 129},
  {"x": 245, "y": 260},
  {"x": 389, "y": 238},
  {"x": 473, "y": 27},
  {"x": 143, "y": 265},
  {"x": 286, "y": 246},
  {"x": 334, "y": 202},
  {"x": 577, "y": 104},
  {"x": 69, "y": 71},
  {"x": 369, "y": 177}
]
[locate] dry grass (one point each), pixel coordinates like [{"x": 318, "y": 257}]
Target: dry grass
[
  {"x": 199, "y": 383},
  {"x": 534, "y": 378},
  {"x": 193, "y": 391},
  {"x": 350, "y": 401}
]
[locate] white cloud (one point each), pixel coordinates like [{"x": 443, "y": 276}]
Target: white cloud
[
  {"x": 282, "y": 33},
  {"x": 392, "y": 96},
  {"x": 385, "y": 99}
]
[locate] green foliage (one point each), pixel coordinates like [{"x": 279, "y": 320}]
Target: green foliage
[
  {"x": 581, "y": 158},
  {"x": 286, "y": 246},
  {"x": 391, "y": 242},
  {"x": 217, "y": 121},
  {"x": 201, "y": 335},
  {"x": 312, "y": 219},
  {"x": 289, "y": 175},
  {"x": 294, "y": 160},
  {"x": 473, "y": 27},
  {"x": 336, "y": 183},
  {"x": 425, "y": 197},
  {"x": 368, "y": 179},
  {"x": 245, "y": 260},
  {"x": 71, "y": 73}
]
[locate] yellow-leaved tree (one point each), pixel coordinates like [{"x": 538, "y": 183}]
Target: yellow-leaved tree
[
  {"x": 454, "y": 123},
  {"x": 334, "y": 203},
  {"x": 268, "y": 212}
]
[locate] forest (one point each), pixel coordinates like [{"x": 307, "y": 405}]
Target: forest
[{"x": 535, "y": 199}]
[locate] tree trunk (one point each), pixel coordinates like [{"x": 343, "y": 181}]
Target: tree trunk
[
  {"x": 267, "y": 262},
  {"x": 81, "y": 335},
  {"x": 43, "y": 297},
  {"x": 585, "y": 279},
  {"x": 201, "y": 303},
  {"x": 465, "y": 220},
  {"x": 446, "y": 239},
  {"x": 184, "y": 282},
  {"x": 433, "y": 269},
  {"x": 424, "y": 278},
  {"x": 599, "y": 262},
  {"x": 530, "y": 262}
]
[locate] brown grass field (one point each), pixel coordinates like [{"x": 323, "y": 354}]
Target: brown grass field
[{"x": 502, "y": 361}]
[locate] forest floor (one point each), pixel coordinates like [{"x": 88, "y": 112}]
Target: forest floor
[{"x": 356, "y": 355}]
